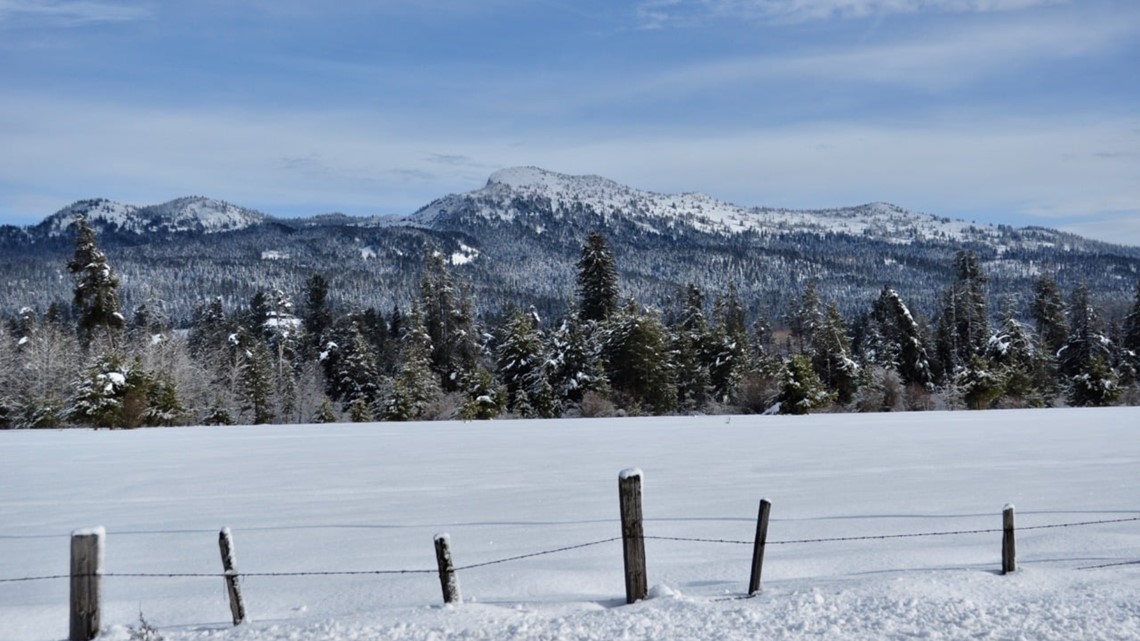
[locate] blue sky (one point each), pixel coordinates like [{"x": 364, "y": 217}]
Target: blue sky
[{"x": 1004, "y": 111}]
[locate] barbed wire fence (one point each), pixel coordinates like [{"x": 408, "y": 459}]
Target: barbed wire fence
[{"x": 632, "y": 538}]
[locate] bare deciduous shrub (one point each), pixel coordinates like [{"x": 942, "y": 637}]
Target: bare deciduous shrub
[{"x": 594, "y": 405}]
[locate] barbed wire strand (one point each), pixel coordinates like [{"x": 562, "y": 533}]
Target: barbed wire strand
[
  {"x": 520, "y": 557},
  {"x": 534, "y": 554},
  {"x": 839, "y": 539}
]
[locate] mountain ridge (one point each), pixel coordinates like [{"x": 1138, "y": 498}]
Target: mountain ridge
[{"x": 517, "y": 239}]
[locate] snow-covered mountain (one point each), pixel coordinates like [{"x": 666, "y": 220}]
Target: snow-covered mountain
[
  {"x": 516, "y": 193},
  {"x": 517, "y": 240},
  {"x": 189, "y": 214}
]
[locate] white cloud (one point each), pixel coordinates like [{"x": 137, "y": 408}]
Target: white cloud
[
  {"x": 72, "y": 12},
  {"x": 1055, "y": 171},
  {"x": 940, "y": 61},
  {"x": 656, "y": 13}
]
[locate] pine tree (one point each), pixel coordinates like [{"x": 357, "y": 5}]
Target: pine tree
[
  {"x": 7, "y": 378},
  {"x": 1085, "y": 358},
  {"x": 483, "y": 399},
  {"x": 896, "y": 340},
  {"x": 576, "y": 362},
  {"x": 1130, "y": 341},
  {"x": 416, "y": 388},
  {"x": 597, "y": 280},
  {"x": 524, "y": 367},
  {"x": 449, "y": 320},
  {"x": 638, "y": 360},
  {"x": 801, "y": 391},
  {"x": 1022, "y": 367},
  {"x": 963, "y": 325},
  {"x": 317, "y": 315},
  {"x": 831, "y": 356},
  {"x": 96, "y": 288},
  {"x": 1049, "y": 311},
  {"x": 349, "y": 364},
  {"x": 806, "y": 318},
  {"x": 256, "y": 392},
  {"x": 692, "y": 349}
]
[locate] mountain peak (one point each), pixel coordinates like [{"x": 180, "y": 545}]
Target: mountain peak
[{"x": 190, "y": 213}]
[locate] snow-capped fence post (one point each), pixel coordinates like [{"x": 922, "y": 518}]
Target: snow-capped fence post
[
  {"x": 237, "y": 606},
  {"x": 86, "y": 583},
  {"x": 632, "y": 535},
  {"x": 1008, "y": 544},
  {"x": 758, "y": 546},
  {"x": 447, "y": 579}
]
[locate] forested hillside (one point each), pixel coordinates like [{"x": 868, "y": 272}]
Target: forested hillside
[{"x": 280, "y": 358}]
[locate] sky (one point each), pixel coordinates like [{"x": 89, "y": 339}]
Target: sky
[{"x": 1021, "y": 112}]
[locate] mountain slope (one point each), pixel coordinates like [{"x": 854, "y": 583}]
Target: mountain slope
[
  {"x": 517, "y": 239},
  {"x": 189, "y": 214}
]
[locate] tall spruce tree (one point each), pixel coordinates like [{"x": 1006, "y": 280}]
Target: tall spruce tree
[
  {"x": 831, "y": 356},
  {"x": 1130, "y": 340},
  {"x": 896, "y": 340},
  {"x": 316, "y": 314},
  {"x": 1087, "y": 355},
  {"x": 416, "y": 388},
  {"x": 1049, "y": 315},
  {"x": 449, "y": 321},
  {"x": 597, "y": 280},
  {"x": 692, "y": 348},
  {"x": 524, "y": 367},
  {"x": 638, "y": 360},
  {"x": 96, "y": 293},
  {"x": 963, "y": 325}
]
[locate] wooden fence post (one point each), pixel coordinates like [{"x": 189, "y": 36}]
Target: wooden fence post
[
  {"x": 447, "y": 579},
  {"x": 86, "y": 583},
  {"x": 237, "y": 606},
  {"x": 1008, "y": 544},
  {"x": 758, "y": 546},
  {"x": 633, "y": 535}
]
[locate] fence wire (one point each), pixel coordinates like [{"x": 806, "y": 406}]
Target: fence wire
[{"x": 472, "y": 566}]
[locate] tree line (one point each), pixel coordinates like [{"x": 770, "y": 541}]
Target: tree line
[{"x": 276, "y": 360}]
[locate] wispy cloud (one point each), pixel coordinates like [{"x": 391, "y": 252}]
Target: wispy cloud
[
  {"x": 1052, "y": 171},
  {"x": 931, "y": 61},
  {"x": 72, "y": 12},
  {"x": 659, "y": 13}
]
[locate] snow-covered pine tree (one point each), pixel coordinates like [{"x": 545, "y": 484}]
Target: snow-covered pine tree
[
  {"x": 416, "y": 388},
  {"x": 897, "y": 340},
  {"x": 576, "y": 362},
  {"x": 1049, "y": 315},
  {"x": 523, "y": 366},
  {"x": 801, "y": 390},
  {"x": 96, "y": 293},
  {"x": 1021, "y": 366},
  {"x": 831, "y": 356},
  {"x": 1085, "y": 358},
  {"x": 963, "y": 324},
  {"x": 316, "y": 313},
  {"x": 483, "y": 399},
  {"x": 806, "y": 318},
  {"x": 692, "y": 351},
  {"x": 597, "y": 280},
  {"x": 728, "y": 357},
  {"x": 638, "y": 360},
  {"x": 448, "y": 319},
  {"x": 349, "y": 363},
  {"x": 256, "y": 391},
  {"x": 1130, "y": 338}
]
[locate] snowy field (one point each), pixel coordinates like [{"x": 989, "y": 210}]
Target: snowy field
[{"x": 371, "y": 497}]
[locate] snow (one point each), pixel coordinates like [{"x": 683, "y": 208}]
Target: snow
[
  {"x": 355, "y": 497},
  {"x": 660, "y": 213}
]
